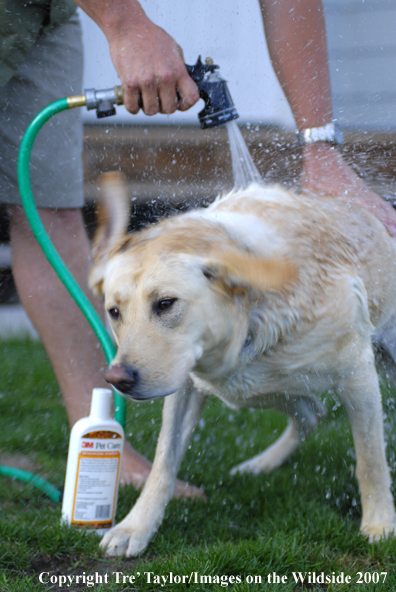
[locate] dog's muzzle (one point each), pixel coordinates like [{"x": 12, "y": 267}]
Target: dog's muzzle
[{"x": 123, "y": 378}]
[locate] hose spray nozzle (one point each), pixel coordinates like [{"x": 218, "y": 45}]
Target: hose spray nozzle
[{"x": 219, "y": 107}]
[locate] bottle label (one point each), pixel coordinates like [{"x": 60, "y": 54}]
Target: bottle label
[{"x": 98, "y": 468}]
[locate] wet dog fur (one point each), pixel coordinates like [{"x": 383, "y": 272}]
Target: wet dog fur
[{"x": 264, "y": 299}]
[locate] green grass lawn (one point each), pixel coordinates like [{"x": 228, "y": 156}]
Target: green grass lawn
[{"x": 304, "y": 517}]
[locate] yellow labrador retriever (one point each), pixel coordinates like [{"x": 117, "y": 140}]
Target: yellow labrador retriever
[{"x": 263, "y": 299}]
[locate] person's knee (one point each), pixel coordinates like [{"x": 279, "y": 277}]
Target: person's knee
[
  {"x": 65, "y": 218},
  {"x": 55, "y": 221}
]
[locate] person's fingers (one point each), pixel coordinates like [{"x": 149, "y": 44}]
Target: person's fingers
[
  {"x": 132, "y": 95},
  {"x": 150, "y": 100},
  {"x": 168, "y": 93},
  {"x": 162, "y": 94},
  {"x": 188, "y": 92}
]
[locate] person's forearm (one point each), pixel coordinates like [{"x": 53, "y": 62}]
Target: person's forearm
[
  {"x": 114, "y": 17},
  {"x": 296, "y": 37}
]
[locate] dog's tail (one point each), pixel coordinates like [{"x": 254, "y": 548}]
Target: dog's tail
[{"x": 113, "y": 211}]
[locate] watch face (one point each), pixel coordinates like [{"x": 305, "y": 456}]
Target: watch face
[{"x": 327, "y": 133}]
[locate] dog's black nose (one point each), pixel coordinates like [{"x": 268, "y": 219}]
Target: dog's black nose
[{"x": 123, "y": 378}]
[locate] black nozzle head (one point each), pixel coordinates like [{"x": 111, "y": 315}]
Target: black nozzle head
[
  {"x": 105, "y": 111},
  {"x": 219, "y": 107},
  {"x": 217, "y": 118}
]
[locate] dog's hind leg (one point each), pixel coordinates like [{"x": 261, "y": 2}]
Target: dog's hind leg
[
  {"x": 361, "y": 396},
  {"x": 304, "y": 415},
  {"x": 181, "y": 413},
  {"x": 384, "y": 344}
]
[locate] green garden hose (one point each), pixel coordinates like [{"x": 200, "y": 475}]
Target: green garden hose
[
  {"x": 32, "y": 479},
  {"x": 46, "y": 244},
  {"x": 60, "y": 268}
]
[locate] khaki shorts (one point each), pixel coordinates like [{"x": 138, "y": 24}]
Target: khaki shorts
[{"x": 52, "y": 70}]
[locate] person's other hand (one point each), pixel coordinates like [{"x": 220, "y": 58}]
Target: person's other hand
[{"x": 326, "y": 173}]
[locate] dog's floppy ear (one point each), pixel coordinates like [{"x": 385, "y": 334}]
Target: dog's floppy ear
[
  {"x": 113, "y": 219},
  {"x": 237, "y": 272}
]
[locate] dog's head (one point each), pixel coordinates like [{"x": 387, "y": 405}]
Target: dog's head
[{"x": 176, "y": 295}]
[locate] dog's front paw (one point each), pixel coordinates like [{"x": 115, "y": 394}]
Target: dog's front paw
[
  {"x": 378, "y": 531},
  {"x": 120, "y": 541}
]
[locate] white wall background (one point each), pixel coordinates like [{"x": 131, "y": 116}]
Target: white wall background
[
  {"x": 362, "y": 54},
  {"x": 229, "y": 31}
]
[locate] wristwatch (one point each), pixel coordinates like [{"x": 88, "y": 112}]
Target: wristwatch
[{"x": 330, "y": 133}]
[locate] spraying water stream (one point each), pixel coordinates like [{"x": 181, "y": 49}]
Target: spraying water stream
[{"x": 243, "y": 167}]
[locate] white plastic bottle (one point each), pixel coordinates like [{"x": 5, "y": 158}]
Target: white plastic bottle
[{"x": 93, "y": 467}]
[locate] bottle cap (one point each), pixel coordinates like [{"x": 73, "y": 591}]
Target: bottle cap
[{"x": 101, "y": 403}]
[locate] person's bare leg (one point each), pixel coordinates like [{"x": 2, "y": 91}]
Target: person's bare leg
[{"x": 73, "y": 349}]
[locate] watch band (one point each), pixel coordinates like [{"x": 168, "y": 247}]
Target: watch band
[{"x": 330, "y": 133}]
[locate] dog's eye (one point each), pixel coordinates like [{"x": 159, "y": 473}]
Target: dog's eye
[
  {"x": 165, "y": 303},
  {"x": 114, "y": 313},
  {"x": 208, "y": 274}
]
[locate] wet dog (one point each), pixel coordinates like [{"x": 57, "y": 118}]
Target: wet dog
[{"x": 264, "y": 299}]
